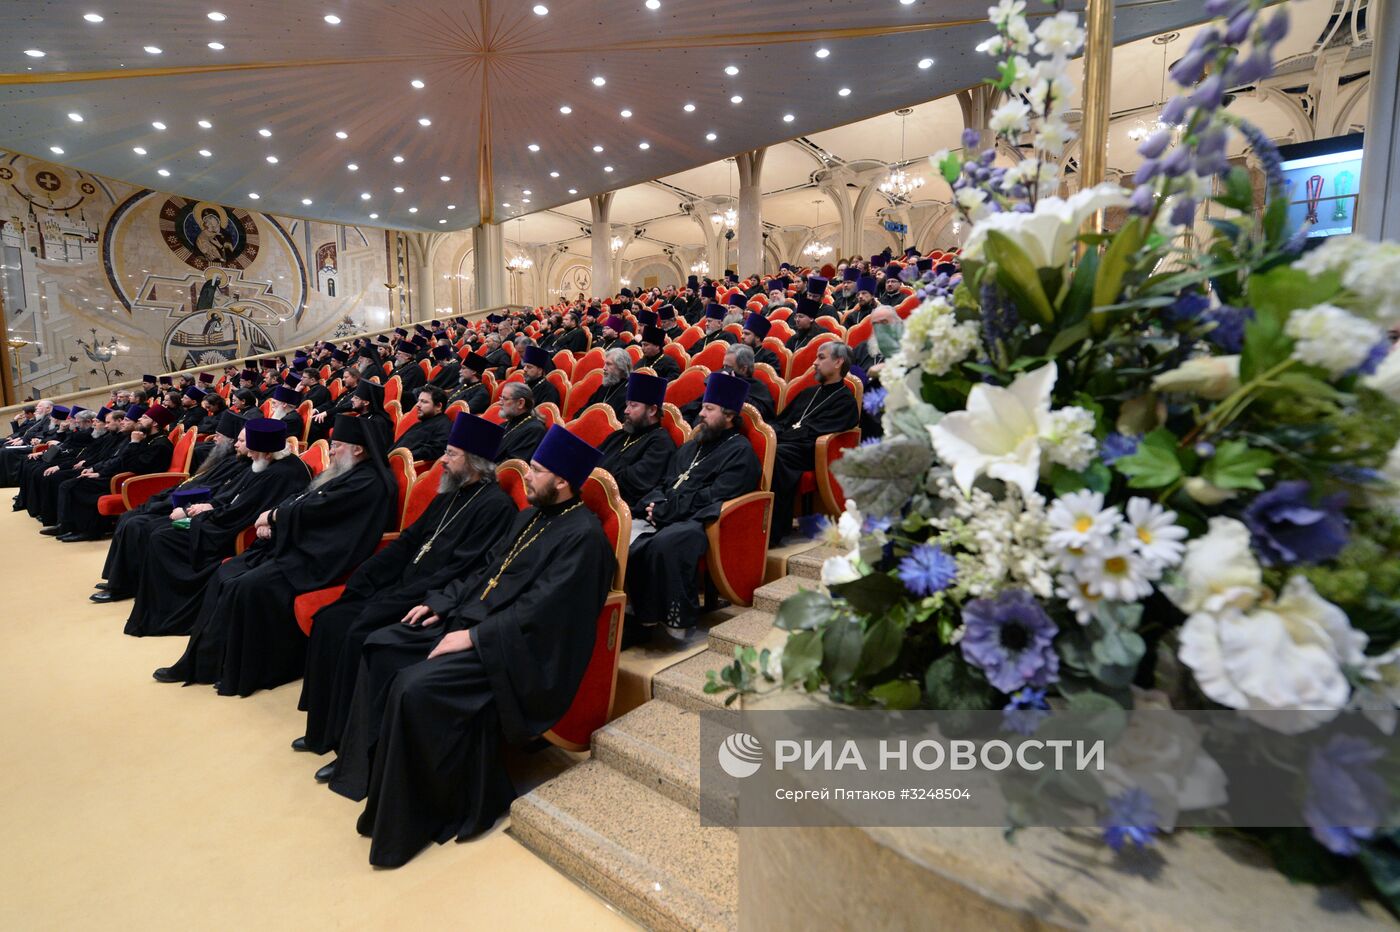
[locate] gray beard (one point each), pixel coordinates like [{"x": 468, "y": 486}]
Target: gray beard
[
  {"x": 98, "y": 432},
  {"x": 610, "y": 380},
  {"x": 450, "y": 482},
  {"x": 260, "y": 465},
  {"x": 222, "y": 450},
  {"x": 335, "y": 470}
]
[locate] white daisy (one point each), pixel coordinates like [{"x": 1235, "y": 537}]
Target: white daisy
[
  {"x": 1153, "y": 530},
  {"x": 1078, "y": 597},
  {"x": 1117, "y": 572},
  {"x": 1079, "y": 521}
]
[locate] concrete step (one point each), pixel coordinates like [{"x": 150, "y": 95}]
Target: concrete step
[
  {"x": 768, "y": 597},
  {"x": 644, "y": 853},
  {"x": 683, "y": 684},
  {"x": 657, "y": 745},
  {"x": 745, "y": 630},
  {"x": 808, "y": 563}
]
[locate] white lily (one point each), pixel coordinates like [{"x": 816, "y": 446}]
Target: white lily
[
  {"x": 999, "y": 432},
  {"x": 1048, "y": 235}
]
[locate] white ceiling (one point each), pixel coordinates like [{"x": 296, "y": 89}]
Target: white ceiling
[{"x": 495, "y": 75}]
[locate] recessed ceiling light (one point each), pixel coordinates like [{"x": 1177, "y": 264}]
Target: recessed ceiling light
[
  {"x": 152, "y": 49},
  {"x": 845, "y": 92},
  {"x": 905, "y": 2},
  {"x": 599, "y": 80},
  {"x": 265, "y": 133},
  {"x": 352, "y": 167},
  {"x": 34, "y": 53},
  {"x": 424, "y": 121},
  {"x": 926, "y": 63},
  {"x": 364, "y": 195},
  {"x": 689, "y": 108},
  {"x": 451, "y": 206},
  {"x": 216, "y": 16},
  {"x": 731, "y": 70},
  {"x": 643, "y": 145},
  {"x": 505, "y": 203},
  {"x": 163, "y": 172},
  {"x": 398, "y": 159},
  {"x": 626, "y": 114},
  {"x": 524, "y": 200},
  {"x": 374, "y": 216},
  {"x": 206, "y": 153},
  {"x": 272, "y": 160},
  {"x": 443, "y": 220},
  {"x": 788, "y": 117},
  {"x": 138, "y": 150},
  {"x": 822, "y": 53},
  {"x": 158, "y": 125},
  {"x": 332, "y": 19},
  {"x": 76, "y": 117},
  {"x": 56, "y": 150},
  {"x": 597, "y": 148},
  {"x": 306, "y": 202},
  {"x": 573, "y": 190},
  {"x": 216, "y": 46},
  {"x": 554, "y": 174},
  {"x": 444, "y": 178},
  {"x": 736, "y": 99},
  {"x": 93, "y": 17},
  {"x": 710, "y": 137},
  {"x": 413, "y": 210},
  {"x": 205, "y": 124},
  {"x": 398, "y": 190},
  {"x": 527, "y": 192},
  {"x": 341, "y": 134},
  {"x": 653, "y": 4},
  {"x": 607, "y": 168},
  {"x": 417, "y": 83},
  {"x": 540, "y": 9},
  {"x": 533, "y": 147},
  {"x": 253, "y": 195},
  {"x": 566, "y": 110}
]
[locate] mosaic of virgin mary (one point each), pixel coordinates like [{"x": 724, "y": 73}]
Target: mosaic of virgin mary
[{"x": 206, "y": 235}]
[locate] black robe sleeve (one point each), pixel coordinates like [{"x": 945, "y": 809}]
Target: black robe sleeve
[
  {"x": 638, "y": 468},
  {"x": 521, "y": 439},
  {"x": 819, "y": 416},
  {"x": 322, "y": 534},
  {"x": 238, "y": 505},
  {"x": 725, "y": 469},
  {"x": 426, "y": 440},
  {"x": 544, "y": 392}
]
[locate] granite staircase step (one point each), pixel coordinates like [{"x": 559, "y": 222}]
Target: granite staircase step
[
  {"x": 657, "y": 745},
  {"x": 643, "y": 852},
  {"x": 747, "y": 629},
  {"x": 683, "y": 684},
  {"x": 769, "y": 596},
  {"x": 808, "y": 563}
]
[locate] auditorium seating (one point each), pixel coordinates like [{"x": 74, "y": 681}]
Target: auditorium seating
[
  {"x": 711, "y": 357},
  {"x": 122, "y": 499},
  {"x": 595, "y": 424},
  {"x": 738, "y": 539},
  {"x": 688, "y": 386}
]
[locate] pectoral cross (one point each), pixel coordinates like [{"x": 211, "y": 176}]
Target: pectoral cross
[
  {"x": 423, "y": 551},
  {"x": 681, "y": 479},
  {"x": 490, "y": 584}
]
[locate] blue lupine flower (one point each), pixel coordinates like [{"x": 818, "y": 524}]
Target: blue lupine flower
[
  {"x": 1183, "y": 212},
  {"x": 813, "y": 526},
  {"x": 1011, "y": 640},
  {"x": 1024, "y": 713},
  {"x": 1131, "y": 818},
  {"x": 874, "y": 525},
  {"x": 1346, "y": 799},
  {"x": 1187, "y": 307},
  {"x": 1374, "y": 358},
  {"x": 1228, "y": 332},
  {"x": 1267, "y": 153},
  {"x": 1287, "y": 527},
  {"x": 1116, "y": 446},
  {"x": 874, "y": 401},
  {"x": 927, "y": 570}
]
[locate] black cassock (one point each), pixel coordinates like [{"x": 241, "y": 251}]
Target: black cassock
[
  {"x": 523, "y": 434},
  {"x": 73, "y": 448},
  {"x": 246, "y": 637},
  {"x": 433, "y": 728},
  {"x": 447, "y": 376},
  {"x": 638, "y": 461},
  {"x": 661, "y": 566},
  {"x": 426, "y": 439},
  {"x": 385, "y": 587},
  {"x": 760, "y": 396},
  {"x": 801, "y": 338},
  {"x": 41, "y": 497},
  {"x": 820, "y": 409},
  {"x": 664, "y": 366},
  {"x": 477, "y": 396},
  {"x": 77, "y": 498},
  {"x": 544, "y": 392},
  {"x": 126, "y": 556},
  {"x": 411, "y": 379},
  {"x": 614, "y": 396},
  {"x": 177, "y": 563}
]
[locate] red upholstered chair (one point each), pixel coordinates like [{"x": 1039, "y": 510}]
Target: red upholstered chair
[
  {"x": 306, "y": 605},
  {"x": 433, "y": 372},
  {"x": 765, "y": 374},
  {"x": 831, "y": 325},
  {"x": 780, "y": 331},
  {"x": 687, "y": 387},
  {"x": 736, "y": 329},
  {"x": 493, "y": 413},
  {"x": 316, "y": 457},
  {"x": 420, "y": 496},
  {"x": 564, "y": 362},
  {"x": 782, "y": 313},
  {"x": 488, "y": 378},
  {"x": 392, "y": 409},
  {"x": 738, "y": 539},
  {"x": 830, "y": 448},
  {"x": 681, "y": 357},
  {"x": 304, "y": 409},
  {"x": 175, "y": 434},
  {"x": 760, "y": 299},
  {"x": 592, "y": 705},
  {"x": 860, "y": 333},
  {"x": 401, "y": 467},
  {"x": 907, "y": 306},
  {"x": 266, "y": 408},
  {"x": 427, "y": 369},
  {"x": 454, "y": 409},
  {"x": 596, "y": 424},
  {"x": 635, "y": 351},
  {"x": 803, "y": 359},
  {"x": 711, "y": 357},
  {"x": 560, "y": 381},
  {"x": 405, "y": 422},
  {"x": 688, "y": 338},
  {"x": 675, "y": 424},
  {"x": 511, "y": 477},
  {"x": 335, "y": 387},
  {"x": 588, "y": 362},
  {"x": 580, "y": 391},
  {"x": 549, "y": 413},
  {"x": 131, "y": 491},
  {"x": 392, "y": 389}
]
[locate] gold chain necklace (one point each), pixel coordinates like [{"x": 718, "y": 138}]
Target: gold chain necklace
[
  {"x": 695, "y": 461},
  {"x": 448, "y": 516},
  {"x": 520, "y": 548}
]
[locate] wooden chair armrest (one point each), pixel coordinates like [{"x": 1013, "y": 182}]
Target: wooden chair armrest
[
  {"x": 137, "y": 489},
  {"x": 738, "y": 546},
  {"x": 117, "y": 480}
]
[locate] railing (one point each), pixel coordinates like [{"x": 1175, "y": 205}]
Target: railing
[{"x": 96, "y": 396}]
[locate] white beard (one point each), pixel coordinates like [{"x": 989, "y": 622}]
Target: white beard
[{"x": 260, "y": 465}]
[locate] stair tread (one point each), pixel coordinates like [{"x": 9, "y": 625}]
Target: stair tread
[
  {"x": 657, "y": 744},
  {"x": 808, "y": 563},
  {"x": 684, "y": 683},
  {"x": 643, "y": 852},
  {"x": 770, "y": 595},
  {"x": 747, "y": 629}
]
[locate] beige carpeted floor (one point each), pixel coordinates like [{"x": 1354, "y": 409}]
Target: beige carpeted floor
[{"x": 128, "y": 804}]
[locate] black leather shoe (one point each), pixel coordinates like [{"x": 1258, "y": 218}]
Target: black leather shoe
[
  {"x": 300, "y": 744},
  {"x": 102, "y": 586},
  {"x": 166, "y": 675},
  {"x": 51, "y": 531},
  {"x": 327, "y": 773},
  {"x": 102, "y": 597},
  {"x": 76, "y": 538}
]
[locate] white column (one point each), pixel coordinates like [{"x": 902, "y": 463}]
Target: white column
[
  {"x": 750, "y": 213},
  {"x": 1378, "y": 207},
  {"x": 489, "y": 262},
  {"x": 601, "y": 205}
]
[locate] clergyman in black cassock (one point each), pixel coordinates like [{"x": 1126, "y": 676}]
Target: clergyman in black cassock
[
  {"x": 638, "y": 455},
  {"x": 524, "y": 430},
  {"x": 66, "y": 448},
  {"x": 828, "y": 407},
  {"x": 41, "y": 497},
  {"x": 147, "y": 450},
  {"x": 471, "y": 391},
  {"x": 246, "y": 637},
  {"x": 427, "y": 438},
  {"x": 504, "y": 663},
  {"x": 715, "y": 465},
  {"x": 449, "y": 540},
  {"x": 180, "y": 561}
]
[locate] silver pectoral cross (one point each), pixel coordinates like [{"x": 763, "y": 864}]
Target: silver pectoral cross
[
  {"x": 423, "y": 550},
  {"x": 681, "y": 479}
]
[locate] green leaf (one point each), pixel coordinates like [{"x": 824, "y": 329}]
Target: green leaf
[
  {"x": 1114, "y": 267},
  {"x": 950, "y": 167},
  {"x": 1309, "y": 386},
  {"x": 802, "y": 656},
  {"x": 806, "y": 610},
  {"x": 1276, "y": 230},
  {"x": 1068, "y": 337},
  {"x": 1299, "y": 857},
  {"x": 1265, "y": 346},
  {"x": 883, "y": 476},
  {"x": 950, "y": 684},
  {"x": 897, "y": 694},
  {"x": 1154, "y": 464},
  {"x": 1236, "y": 466},
  {"x": 1239, "y": 192},
  {"x": 1097, "y": 478},
  {"x": 842, "y": 640},
  {"x": 1064, "y": 481},
  {"x": 1017, "y": 275},
  {"x": 873, "y": 594},
  {"x": 883, "y": 641},
  {"x": 1080, "y": 299},
  {"x": 1381, "y": 862},
  {"x": 1283, "y": 289}
]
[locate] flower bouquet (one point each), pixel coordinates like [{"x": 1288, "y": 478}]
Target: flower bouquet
[{"x": 1144, "y": 468}]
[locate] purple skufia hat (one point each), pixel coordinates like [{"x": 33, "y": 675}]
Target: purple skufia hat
[
  {"x": 536, "y": 356},
  {"x": 569, "y": 457},
  {"x": 476, "y": 435},
  {"x": 647, "y": 389},
  {"x": 265, "y": 435},
  {"x": 728, "y": 391},
  {"x": 285, "y": 395}
]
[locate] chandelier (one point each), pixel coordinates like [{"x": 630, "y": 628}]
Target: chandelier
[
  {"x": 519, "y": 262},
  {"x": 816, "y": 249},
  {"x": 616, "y": 243},
  {"x": 900, "y": 184},
  {"x": 700, "y": 268},
  {"x": 1141, "y": 129},
  {"x": 728, "y": 217}
]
